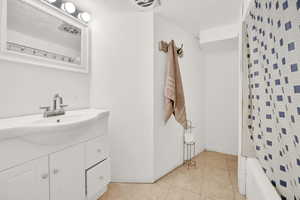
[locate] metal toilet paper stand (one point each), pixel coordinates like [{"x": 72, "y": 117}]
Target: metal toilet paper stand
[{"x": 189, "y": 146}]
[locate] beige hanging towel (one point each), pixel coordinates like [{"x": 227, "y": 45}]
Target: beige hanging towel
[{"x": 174, "y": 96}]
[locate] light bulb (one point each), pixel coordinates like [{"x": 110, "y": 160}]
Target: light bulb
[
  {"x": 84, "y": 16},
  {"x": 51, "y": 1},
  {"x": 69, "y": 7}
]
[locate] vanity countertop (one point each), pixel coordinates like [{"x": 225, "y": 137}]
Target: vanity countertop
[{"x": 35, "y": 120}]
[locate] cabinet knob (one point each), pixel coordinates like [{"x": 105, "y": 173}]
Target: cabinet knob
[
  {"x": 55, "y": 171},
  {"x": 45, "y": 176},
  {"x": 99, "y": 150}
]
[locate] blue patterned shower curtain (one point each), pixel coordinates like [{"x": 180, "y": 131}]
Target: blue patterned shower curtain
[{"x": 271, "y": 92}]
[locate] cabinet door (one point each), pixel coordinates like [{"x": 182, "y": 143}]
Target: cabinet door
[
  {"x": 67, "y": 174},
  {"x": 29, "y": 181},
  {"x": 97, "y": 178}
]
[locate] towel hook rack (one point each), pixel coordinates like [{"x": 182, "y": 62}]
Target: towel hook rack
[{"x": 163, "y": 46}]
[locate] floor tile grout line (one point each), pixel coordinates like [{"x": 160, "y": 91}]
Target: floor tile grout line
[{"x": 205, "y": 159}]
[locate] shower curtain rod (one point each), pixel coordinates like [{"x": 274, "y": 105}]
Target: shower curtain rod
[{"x": 163, "y": 46}]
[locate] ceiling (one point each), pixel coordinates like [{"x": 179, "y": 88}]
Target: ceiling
[
  {"x": 192, "y": 15},
  {"x": 196, "y": 15}
]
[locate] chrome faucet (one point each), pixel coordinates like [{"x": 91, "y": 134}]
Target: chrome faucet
[{"x": 58, "y": 107}]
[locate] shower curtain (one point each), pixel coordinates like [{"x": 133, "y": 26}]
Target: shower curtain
[{"x": 271, "y": 91}]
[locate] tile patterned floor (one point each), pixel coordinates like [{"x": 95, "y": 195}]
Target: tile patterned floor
[{"x": 214, "y": 178}]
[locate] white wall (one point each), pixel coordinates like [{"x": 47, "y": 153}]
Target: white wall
[
  {"x": 128, "y": 78},
  {"x": 221, "y": 94},
  {"x": 122, "y": 81},
  {"x": 168, "y": 141},
  {"x": 24, "y": 88}
]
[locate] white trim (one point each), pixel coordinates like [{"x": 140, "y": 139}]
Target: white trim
[
  {"x": 249, "y": 4},
  {"x": 39, "y": 61},
  {"x": 241, "y": 159},
  {"x": 242, "y": 174}
]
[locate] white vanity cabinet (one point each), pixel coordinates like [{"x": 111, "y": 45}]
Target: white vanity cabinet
[
  {"x": 67, "y": 174},
  {"x": 61, "y": 175},
  {"x": 65, "y": 161},
  {"x": 29, "y": 181}
]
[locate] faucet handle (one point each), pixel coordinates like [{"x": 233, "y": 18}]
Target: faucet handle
[
  {"x": 62, "y": 106},
  {"x": 47, "y": 108}
]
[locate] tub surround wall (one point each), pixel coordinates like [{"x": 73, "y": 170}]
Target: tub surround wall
[{"x": 258, "y": 186}]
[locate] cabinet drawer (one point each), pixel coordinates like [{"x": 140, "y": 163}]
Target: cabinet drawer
[
  {"x": 96, "y": 151},
  {"x": 97, "y": 178}
]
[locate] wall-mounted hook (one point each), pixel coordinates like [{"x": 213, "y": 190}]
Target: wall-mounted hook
[
  {"x": 180, "y": 51},
  {"x": 163, "y": 46}
]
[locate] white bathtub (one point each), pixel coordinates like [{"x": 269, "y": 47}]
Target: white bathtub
[{"x": 258, "y": 186}]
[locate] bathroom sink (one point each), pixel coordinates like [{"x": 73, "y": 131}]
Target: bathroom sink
[
  {"x": 70, "y": 118},
  {"x": 53, "y": 121},
  {"x": 37, "y": 124}
]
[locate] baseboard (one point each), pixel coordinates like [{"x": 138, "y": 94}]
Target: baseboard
[
  {"x": 98, "y": 194},
  {"x": 224, "y": 152},
  {"x": 165, "y": 172},
  {"x": 152, "y": 179},
  {"x": 132, "y": 180},
  {"x": 242, "y": 174}
]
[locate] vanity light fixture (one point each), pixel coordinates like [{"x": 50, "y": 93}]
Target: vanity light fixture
[
  {"x": 84, "y": 16},
  {"x": 69, "y": 7}
]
